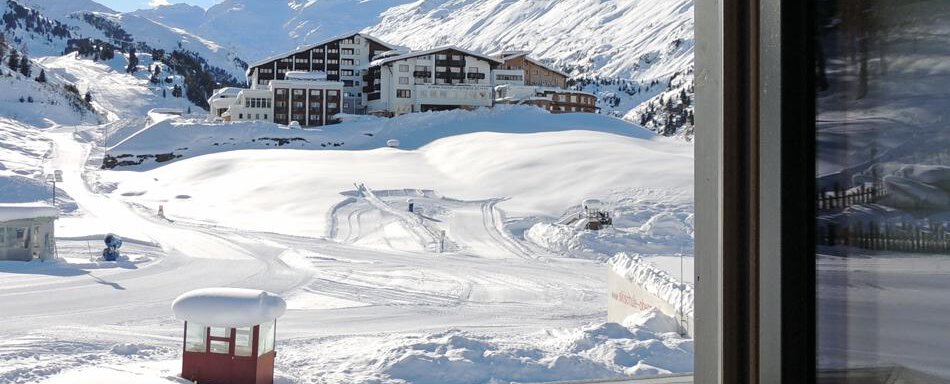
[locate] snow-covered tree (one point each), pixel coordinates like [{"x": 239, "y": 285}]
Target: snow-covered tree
[
  {"x": 25, "y": 67},
  {"x": 133, "y": 61},
  {"x": 14, "y": 61},
  {"x": 42, "y": 77}
]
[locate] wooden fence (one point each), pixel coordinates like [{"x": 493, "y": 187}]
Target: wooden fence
[
  {"x": 841, "y": 198},
  {"x": 903, "y": 237}
]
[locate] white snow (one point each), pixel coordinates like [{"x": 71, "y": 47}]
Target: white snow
[
  {"x": 655, "y": 280},
  {"x": 23, "y": 211},
  {"x": 228, "y": 307}
]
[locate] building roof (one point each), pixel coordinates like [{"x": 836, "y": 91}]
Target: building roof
[
  {"x": 228, "y": 307},
  {"x": 310, "y": 46},
  {"x": 408, "y": 55},
  {"x": 26, "y": 211},
  {"x": 508, "y": 55}
]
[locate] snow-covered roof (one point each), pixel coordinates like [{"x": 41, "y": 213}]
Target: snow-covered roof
[
  {"x": 26, "y": 211},
  {"x": 228, "y": 307},
  {"x": 306, "y": 75},
  {"x": 432, "y": 51},
  {"x": 319, "y": 43},
  {"x": 226, "y": 91},
  {"x": 505, "y": 56}
]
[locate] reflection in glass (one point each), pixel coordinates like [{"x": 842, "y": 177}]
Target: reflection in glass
[
  {"x": 195, "y": 337},
  {"x": 883, "y": 179}
]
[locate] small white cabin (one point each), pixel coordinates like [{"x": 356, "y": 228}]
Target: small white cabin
[{"x": 26, "y": 231}]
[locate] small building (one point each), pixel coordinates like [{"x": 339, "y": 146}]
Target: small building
[
  {"x": 432, "y": 80},
  {"x": 305, "y": 97},
  {"x": 555, "y": 100},
  {"x": 27, "y": 232},
  {"x": 517, "y": 64},
  {"x": 229, "y": 335}
]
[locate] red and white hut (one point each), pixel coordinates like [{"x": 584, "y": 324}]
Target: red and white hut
[{"x": 229, "y": 335}]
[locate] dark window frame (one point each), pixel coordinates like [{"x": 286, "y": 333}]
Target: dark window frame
[{"x": 755, "y": 208}]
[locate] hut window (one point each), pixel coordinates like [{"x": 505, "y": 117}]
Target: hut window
[
  {"x": 265, "y": 341},
  {"x": 195, "y": 337},
  {"x": 220, "y": 346},
  {"x": 242, "y": 341}
]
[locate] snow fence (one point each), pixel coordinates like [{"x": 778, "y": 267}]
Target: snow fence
[{"x": 636, "y": 285}]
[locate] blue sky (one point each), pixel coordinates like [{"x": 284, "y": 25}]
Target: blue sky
[{"x": 131, "y": 5}]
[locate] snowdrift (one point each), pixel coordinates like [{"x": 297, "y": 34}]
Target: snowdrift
[
  {"x": 636, "y": 285},
  {"x": 173, "y": 139}
]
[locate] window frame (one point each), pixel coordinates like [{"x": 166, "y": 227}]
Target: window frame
[{"x": 755, "y": 211}]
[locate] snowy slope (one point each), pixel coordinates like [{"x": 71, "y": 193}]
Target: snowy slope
[
  {"x": 543, "y": 174},
  {"x": 261, "y": 28}
]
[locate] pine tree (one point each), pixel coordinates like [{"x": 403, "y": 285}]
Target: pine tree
[
  {"x": 133, "y": 61},
  {"x": 106, "y": 52},
  {"x": 14, "y": 62},
  {"x": 163, "y": 93},
  {"x": 176, "y": 91},
  {"x": 3, "y": 45},
  {"x": 88, "y": 97},
  {"x": 42, "y": 77},
  {"x": 25, "y": 68}
]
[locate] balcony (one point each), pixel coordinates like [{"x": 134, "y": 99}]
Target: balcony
[
  {"x": 422, "y": 74},
  {"x": 475, "y": 76},
  {"x": 450, "y": 63}
]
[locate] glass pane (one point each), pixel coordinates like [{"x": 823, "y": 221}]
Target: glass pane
[
  {"x": 220, "y": 332},
  {"x": 218, "y": 346},
  {"x": 266, "y": 336},
  {"x": 195, "y": 337},
  {"x": 242, "y": 341},
  {"x": 883, "y": 179}
]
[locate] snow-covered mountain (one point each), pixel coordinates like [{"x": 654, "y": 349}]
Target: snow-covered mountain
[{"x": 626, "y": 52}]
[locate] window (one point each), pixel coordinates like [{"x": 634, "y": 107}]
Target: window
[
  {"x": 315, "y": 92},
  {"x": 315, "y": 105},
  {"x": 281, "y": 91},
  {"x": 298, "y": 92},
  {"x": 195, "y": 337},
  {"x": 457, "y": 57},
  {"x": 243, "y": 344},
  {"x": 333, "y": 72},
  {"x": 440, "y": 69},
  {"x": 403, "y": 80},
  {"x": 333, "y": 93},
  {"x": 220, "y": 342},
  {"x": 331, "y": 105},
  {"x": 347, "y": 51},
  {"x": 346, "y": 72},
  {"x": 455, "y": 69},
  {"x": 333, "y": 61},
  {"x": 403, "y": 93},
  {"x": 473, "y": 69},
  {"x": 266, "y": 335},
  {"x": 403, "y": 68},
  {"x": 441, "y": 56},
  {"x": 422, "y": 68},
  {"x": 346, "y": 61}
]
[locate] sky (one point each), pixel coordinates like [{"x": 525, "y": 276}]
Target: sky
[{"x": 131, "y": 5}]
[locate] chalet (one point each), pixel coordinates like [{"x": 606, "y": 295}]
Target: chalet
[
  {"x": 342, "y": 58},
  {"x": 520, "y": 67},
  {"x": 523, "y": 80},
  {"x": 308, "y": 98},
  {"x": 554, "y": 100},
  {"x": 430, "y": 80}
]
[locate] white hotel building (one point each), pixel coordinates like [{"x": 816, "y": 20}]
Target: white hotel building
[{"x": 436, "y": 79}]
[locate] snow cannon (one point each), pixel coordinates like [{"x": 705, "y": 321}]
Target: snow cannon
[
  {"x": 294, "y": 125},
  {"x": 111, "y": 251},
  {"x": 229, "y": 335},
  {"x": 392, "y": 143}
]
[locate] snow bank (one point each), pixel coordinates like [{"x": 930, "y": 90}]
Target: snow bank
[
  {"x": 25, "y": 211},
  {"x": 228, "y": 307},
  {"x": 187, "y": 138},
  {"x": 643, "y": 285},
  {"x": 650, "y": 222},
  {"x": 595, "y": 351}
]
